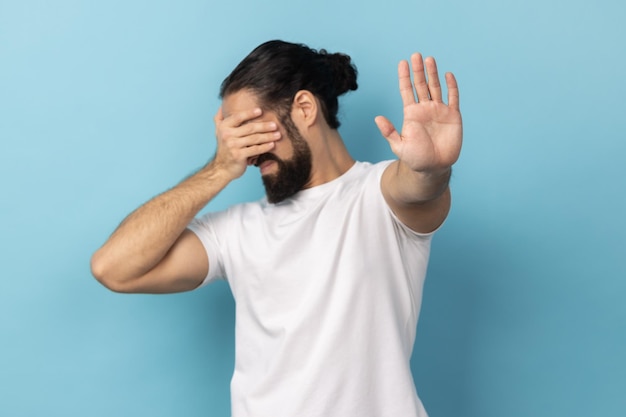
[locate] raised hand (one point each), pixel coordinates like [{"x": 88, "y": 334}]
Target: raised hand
[
  {"x": 432, "y": 130},
  {"x": 241, "y": 137}
]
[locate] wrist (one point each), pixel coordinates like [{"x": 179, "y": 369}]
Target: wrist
[
  {"x": 420, "y": 186},
  {"x": 430, "y": 172},
  {"x": 204, "y": 184},
  {"x": 216, "y": 172}
]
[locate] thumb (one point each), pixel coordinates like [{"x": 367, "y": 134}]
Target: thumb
[
  {"x": 219, "y": 116},
  {"x": 387, "y": 129}
]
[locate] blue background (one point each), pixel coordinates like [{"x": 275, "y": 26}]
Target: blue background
[{"x": 105, "y": 104}]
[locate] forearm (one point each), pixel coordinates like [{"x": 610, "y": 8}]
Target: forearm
[
  {"x": 147, "y": 234},
  {"x": 408, "y": 187}
]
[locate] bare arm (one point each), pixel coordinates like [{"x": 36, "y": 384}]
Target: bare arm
[
  {"x": 416, "y": 185},
  {"x": 151, "y": 251}
]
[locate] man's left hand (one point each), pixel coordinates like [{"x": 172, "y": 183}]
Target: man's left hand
[{"x": 432, "y": 130}]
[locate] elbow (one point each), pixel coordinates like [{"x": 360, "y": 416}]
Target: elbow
[
  {"x": 97, "y": 266},
  {"x": 100, "y": 271}
]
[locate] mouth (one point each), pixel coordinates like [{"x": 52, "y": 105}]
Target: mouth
[
  {"x": 264, "y": 162},
  {"x": 265, "y": 166}
]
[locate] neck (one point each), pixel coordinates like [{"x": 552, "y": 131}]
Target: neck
[{"x": 331, "y": 158}]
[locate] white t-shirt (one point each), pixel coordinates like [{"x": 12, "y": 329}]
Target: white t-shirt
[{"x": 328, "y": 288}]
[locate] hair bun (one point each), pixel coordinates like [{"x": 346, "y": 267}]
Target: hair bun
[{"x": 343, "y": 71}]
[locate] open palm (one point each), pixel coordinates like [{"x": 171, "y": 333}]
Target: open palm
[{"x": 432, "y": 131}]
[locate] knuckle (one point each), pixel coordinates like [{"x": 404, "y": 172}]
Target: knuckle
[
  {"x": 248, "y": 129},
  {"x": 235, "y": 118}
]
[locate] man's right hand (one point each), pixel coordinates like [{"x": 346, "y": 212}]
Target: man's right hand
[
  {"x": 151, "y": 251},
  {"x": 241, "y": 137}
]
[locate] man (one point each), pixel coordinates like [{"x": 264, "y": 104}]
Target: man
[{"x": 327, "y": 270}]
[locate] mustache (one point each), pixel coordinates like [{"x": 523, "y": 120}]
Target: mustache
[{"x": 265, "y": 157}]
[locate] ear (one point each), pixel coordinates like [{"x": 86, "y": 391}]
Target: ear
[{"x": 304, "y": 108}]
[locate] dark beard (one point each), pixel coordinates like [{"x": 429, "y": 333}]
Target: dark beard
[{"x": 293, "y": 173}]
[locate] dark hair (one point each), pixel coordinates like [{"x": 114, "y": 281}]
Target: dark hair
[{"x": 276, "y": 70}]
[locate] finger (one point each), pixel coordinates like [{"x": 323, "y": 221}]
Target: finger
[
  {"x": 434, "y": 86},
  {"x": 256, "y": 139},
  {"x": 257, "y": 127},
  {"x": 387, "y": 129},
  {"x": 239, "y": 118},
  {"x": 217, "y": 119},
  {"x": 404, "y": 80},
  {"x": 453, "y": 91},
  {"x": 419, "y": 77},
  {"x": 251, "y": 153},
  {"x": 218, "y": 116}
]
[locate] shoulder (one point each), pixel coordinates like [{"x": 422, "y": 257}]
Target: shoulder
[
  {"x": 367, "y": 173},
  {"x": 373, "y": 175},
  {"x": 225, "y": 218},
  {"x": 372, "y": 167}
]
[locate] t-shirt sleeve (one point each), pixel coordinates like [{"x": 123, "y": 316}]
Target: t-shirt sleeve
[{"x": 205, "y": 228}]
